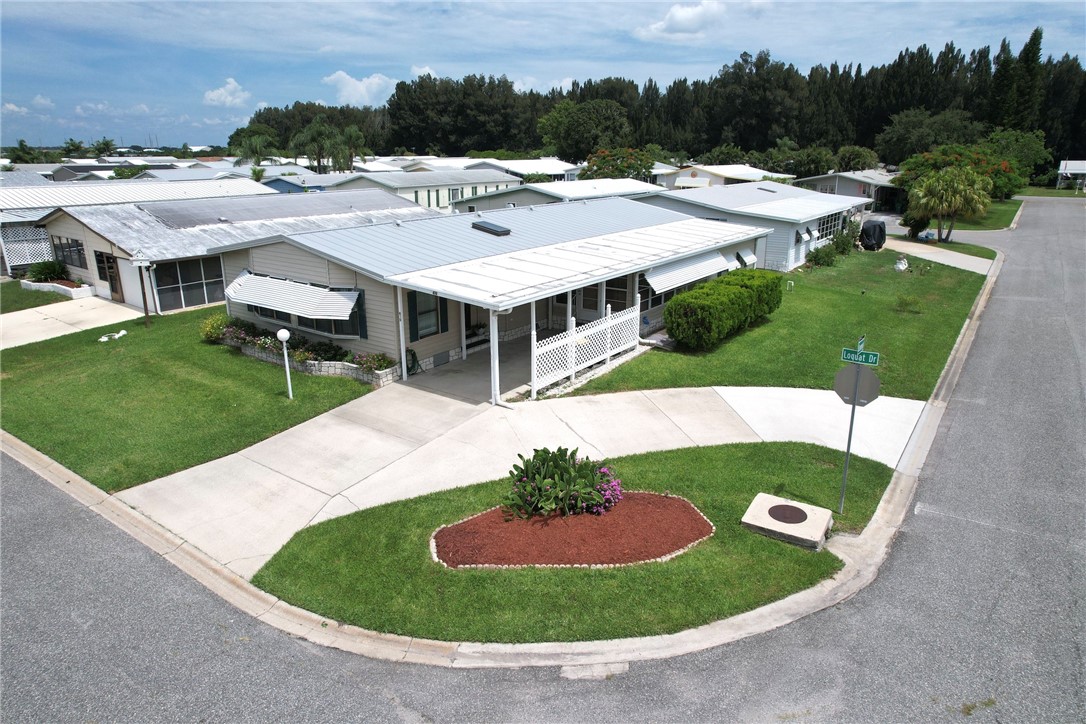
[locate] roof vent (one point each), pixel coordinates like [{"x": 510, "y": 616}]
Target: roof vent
[
  {"x": 490, "y": 228},
  {"x": 224, "y": 220},
  {"x": 398, "y": 222},
  {"x": 771, "y": 191}
]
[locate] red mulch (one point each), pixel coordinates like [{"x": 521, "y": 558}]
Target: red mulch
[
  {"x": 64, "y": 283},
  {"x": 641, "y": 527}
]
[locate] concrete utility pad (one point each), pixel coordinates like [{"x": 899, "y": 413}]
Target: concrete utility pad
[{"x": 787, "y": 520}]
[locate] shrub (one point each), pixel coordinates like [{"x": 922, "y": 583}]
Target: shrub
[
  {"x": 703, "y": 317},
  {"x": 823, "y": 256},
  {"x": 558, "y": 482},
  {"x": 47, "y": 271},
  {"x": 372, "y": 361},
  {"x": 765, "y": 285},
  {"x": 915, "y": 222},
  {"x": 323, "y": 350},
  {"x": 213, "y": 327}
]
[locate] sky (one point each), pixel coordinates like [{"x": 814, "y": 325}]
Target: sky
[{"x": 168, "y": 72}]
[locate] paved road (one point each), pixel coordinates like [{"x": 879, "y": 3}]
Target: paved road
[{"x": 979, "y": 610}]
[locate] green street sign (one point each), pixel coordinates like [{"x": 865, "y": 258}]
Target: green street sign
[{"x": 859, "y": 357}]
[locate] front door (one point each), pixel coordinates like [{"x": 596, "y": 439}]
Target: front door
[
  {"x": 108, "y": 272},
  {"x": 588, "y": 303}
]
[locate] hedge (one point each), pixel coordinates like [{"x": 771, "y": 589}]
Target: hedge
[{"x": 705, "y": 316}]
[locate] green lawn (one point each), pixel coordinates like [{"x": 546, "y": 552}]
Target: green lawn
[
  {"x": 14, "y": 298},
  {"x": 1000, "y": 215},
  {"x": 827, "y": 310},
  {"x": 152, "y": 402},
  {"x": 1050, "y": 192},
  {"x": 373, "y": 568}
]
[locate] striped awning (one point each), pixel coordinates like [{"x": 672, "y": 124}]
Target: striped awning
[
  {"x": 282, "y": 295},
  {"x": 666, "y": 277}
]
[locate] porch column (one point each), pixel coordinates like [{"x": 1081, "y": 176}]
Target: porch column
[
  {"x": 399, "y": 332},
  {"x": 495, "y": 387},
  {"x": 601, "y": 299},
  {"x": 532, "y": 346},
  {"x": 463, "y": 330},
  {"x": 569, "y": 307}
]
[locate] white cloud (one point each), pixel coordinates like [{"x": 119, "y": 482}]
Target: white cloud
[
  {"x": 41, "y": 101},
  {"x": 420, "y": 70},
  {"x": 684, "y": 22},
  {"x": 12, "y": 108},
  {"x": 89, "y": 109},
  {"x": 261, "y": 105},
  {"x": 369, "y": 91},
  {"x": 213, "y": 121},
  {"x": 231, "y": 95},
  {"x": 141, "y": 108}
]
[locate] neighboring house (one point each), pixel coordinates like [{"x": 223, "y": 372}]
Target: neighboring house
[
  {"x": 661, "y": 172},
  {"x": 552, "y": 192},
  {"x": 181, "y": 238},
  {"x": 433, "y": 289},
  {"x": 556, "y": 168},
  {"x": 193, "y": 173},
  {"x": 434, "y": 189},
  {"x": 374, "y": 166},
  {"x": 311, "y": 182},
  {"x": 801, "y": 219},
  {"x": 1073, "y": 174},
  {"x": 876, "y": 184},
  {"x": 45, "y": 170},
  {"x": 689, "y": 177},
  {"x": 97, "y": 171},
  {"x": 23, "y": 242},
  {"x": 20, "y": 177}
]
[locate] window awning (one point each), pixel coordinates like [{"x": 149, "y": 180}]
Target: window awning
[
  {"x": 282, "y": 295},
  {"x": 666, "y": 277},
  {"x": 748, "y": 256}
]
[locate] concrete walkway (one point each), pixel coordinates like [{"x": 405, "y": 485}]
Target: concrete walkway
[
  {"x": 940, "y": 255},
  {"x": 55, "y": 320},
  {"x": 400, "y": 442}
]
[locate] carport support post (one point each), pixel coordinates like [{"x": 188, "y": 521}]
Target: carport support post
[
  {"x": 495, "y": 387},
  {"x": 403, "y": 342},
  {"x": 572, "y": 327},
  {"x": 463, "y": 331},
  {"x": 533, "y": 338}
]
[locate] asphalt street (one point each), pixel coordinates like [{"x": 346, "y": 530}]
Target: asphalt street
[{"x": 979, "y": 611}]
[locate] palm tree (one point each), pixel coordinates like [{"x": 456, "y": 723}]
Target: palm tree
[
  {"x": 317, "y": 140},
  {"x": 254, "y": 149},
  {"x": 949, "y": 193},
  {"x": 355, "y": 143}
]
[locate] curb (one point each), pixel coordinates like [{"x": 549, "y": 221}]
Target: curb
[{"x": 862, "y": 554}]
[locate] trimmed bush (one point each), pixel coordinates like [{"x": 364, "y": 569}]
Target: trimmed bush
[
  {"x": 823, "y": 256},
  {"x": 703, "y": 317},
  {"x": 558, "y": 482},
  {"x": 765, "y": 285},
  {"x": 47, "y": 271},
  {"x": 372, "y": 361}
]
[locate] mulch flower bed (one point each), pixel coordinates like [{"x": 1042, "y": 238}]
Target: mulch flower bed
[{"x": 643, "y": 527}]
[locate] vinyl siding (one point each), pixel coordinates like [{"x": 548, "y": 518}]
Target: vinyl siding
[{"x": 290, "y": 262}]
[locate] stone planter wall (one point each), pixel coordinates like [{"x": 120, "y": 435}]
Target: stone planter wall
[
  {"x": 82, "y": 292},
  {"x": 323, "y": 369}
]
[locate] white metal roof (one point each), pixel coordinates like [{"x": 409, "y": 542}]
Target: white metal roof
[
  {"x": 106, "y": 192},
  {"x": 873, "y": 176},
  {"x": 767, "y": 199},
  {"x": 741, "y": 171},
  {"x": 665, "y": 277},
  {"x": 521, "y": 167},
  {"x": 422, "y": 179},
  {"x": 594, "y": 188},
  {"x": 1073, "y": 168},
  {"x": 283, "y": 295}
]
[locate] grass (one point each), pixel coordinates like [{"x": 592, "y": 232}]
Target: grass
[
  {"x": 1000, "y": 215},
  {"x": 1050, "y": 192},
  {"x": 13, "y": 298},
  {"x": 153, "y": 402},
  {"x": 373, "y": 568},
  {"x": 828, "y": 309},
  {"x": 981, "y": 252}
]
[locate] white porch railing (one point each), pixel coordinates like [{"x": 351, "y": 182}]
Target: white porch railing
[{"x": 569, "y": 352}]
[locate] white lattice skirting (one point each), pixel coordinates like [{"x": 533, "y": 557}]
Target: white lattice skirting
[{"x": 565, "y": 354}]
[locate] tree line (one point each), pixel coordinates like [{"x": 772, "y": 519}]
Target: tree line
[{"x": 756, "y": 104}]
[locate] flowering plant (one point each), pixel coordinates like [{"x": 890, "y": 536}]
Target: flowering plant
[
  {"x": 372, "y": 361},
  {"x": 558, "y": 482}
]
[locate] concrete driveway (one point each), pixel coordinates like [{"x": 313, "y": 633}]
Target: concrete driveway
[
  {"x": 55, "y": 320},
  {"x": 402, "y": 441}
]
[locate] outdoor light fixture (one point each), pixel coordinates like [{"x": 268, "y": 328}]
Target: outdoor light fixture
[
  {"x": 283, "y": 335},
  {"x": 141, "y": 262}
]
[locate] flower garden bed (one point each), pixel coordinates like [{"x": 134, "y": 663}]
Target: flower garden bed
[{"x": 378, "y": 379}]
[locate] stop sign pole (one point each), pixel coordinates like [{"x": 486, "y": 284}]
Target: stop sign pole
[{"x": 856, "y": 385}]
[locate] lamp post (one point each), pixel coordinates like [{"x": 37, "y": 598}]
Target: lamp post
[
  {"x": 141, "y": 262},
  {"x": 283, "y": 335}
]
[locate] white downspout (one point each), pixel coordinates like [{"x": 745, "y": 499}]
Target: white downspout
[{"x": 495, "y": 387}]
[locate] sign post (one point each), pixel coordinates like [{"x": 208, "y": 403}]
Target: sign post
[{"x": 856, "y": 385}]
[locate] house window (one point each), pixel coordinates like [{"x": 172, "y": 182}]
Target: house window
[
  {"x": 471, "y": 208},
  {"x": 427, "y": 315},
  {"x": 100, "y": 262},
  {"x": 616, "y": 293},
  {"x": 267, "y": 313},
  {"x": 416, "y": 196},
  {"x": 69, "y": 251},
  {"x": 829, "y": 225},
  {"x": 455, "y": 194},
  {"x": 650, "y": 299},
  {"x": 189, "y": 283},
  {"x": 353, "y": 326},
  {"x": 743, "y": 262},
  {"x": 428, "y": 201},
  {"x": 474, "y": 190}
]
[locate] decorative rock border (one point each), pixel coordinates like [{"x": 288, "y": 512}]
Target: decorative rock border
[
  {"x": 83, "y": 292},
  {"x": 495, "y": 566},
  {"x": 378, "y": 379}
]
